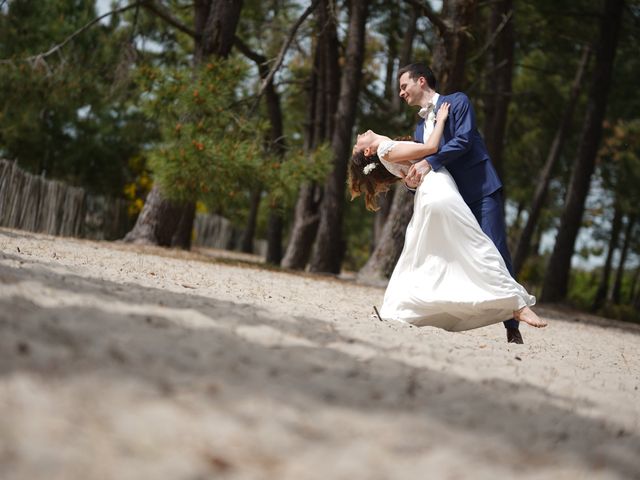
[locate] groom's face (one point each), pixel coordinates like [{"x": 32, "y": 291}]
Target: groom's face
[{"x": 412, "y": 91}]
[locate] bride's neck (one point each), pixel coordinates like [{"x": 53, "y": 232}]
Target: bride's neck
[{"x": 379, "y": 139}]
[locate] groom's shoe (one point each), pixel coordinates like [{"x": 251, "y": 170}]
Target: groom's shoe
[{"x": 513, "y": 335}]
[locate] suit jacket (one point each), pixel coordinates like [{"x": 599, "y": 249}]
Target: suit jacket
[{"x": 462, "y": 150}]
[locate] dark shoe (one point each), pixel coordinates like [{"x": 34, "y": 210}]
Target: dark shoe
[{"x": 513, "y": 335}]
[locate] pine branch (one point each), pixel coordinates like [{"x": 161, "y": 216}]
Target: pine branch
[
  {"x": 493, "y": 37},
  {"x": 285, "y": 46},
  {"x": 150, "y": 5},
  {"x": 56, "y": 48},
  {"x": 132, "y": 35},
  {"x": 247, "y": 52},
  {"x": 163, "y": 12}
]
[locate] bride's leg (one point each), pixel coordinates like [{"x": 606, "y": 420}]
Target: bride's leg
[{"x": 528, "y": 316}]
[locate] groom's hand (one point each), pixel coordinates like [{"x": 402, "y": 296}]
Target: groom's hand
[{"x": 416, "y": 173}]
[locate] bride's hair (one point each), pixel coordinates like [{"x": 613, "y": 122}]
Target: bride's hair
[{"x": 367, "y": 175}]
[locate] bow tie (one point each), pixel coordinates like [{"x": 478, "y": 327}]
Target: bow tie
[{"x": 424, "y": 112}]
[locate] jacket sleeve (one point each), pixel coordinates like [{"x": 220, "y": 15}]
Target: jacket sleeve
[{"x": 463, "y": 116}]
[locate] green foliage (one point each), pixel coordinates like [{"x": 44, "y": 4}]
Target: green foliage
[
  {"x": 582, "y": 288},
  {"x": 582, "y": 291},
  {"x": 624, "y": 103},
  {"x": 284, "y": 178},
  {"x": 211, "y": 148},
  {"x": 619, "y": 163},
  {"x": 67, "y": 115},
  {"x": 532, "y": 273},
  {"x": 206, "y": 145},
  {"x": 626, "y": 313}
]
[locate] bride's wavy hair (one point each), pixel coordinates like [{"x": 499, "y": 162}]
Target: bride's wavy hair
[{"x": 377, "y": 180}]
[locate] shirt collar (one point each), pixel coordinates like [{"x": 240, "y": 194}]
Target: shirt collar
[{"x": 431, "y": 106}]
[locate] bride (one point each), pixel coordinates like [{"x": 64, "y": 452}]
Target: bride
[{"x": 450, "y": 274}]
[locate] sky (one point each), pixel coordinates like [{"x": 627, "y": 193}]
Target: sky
[{"x": 103, "y": 6}]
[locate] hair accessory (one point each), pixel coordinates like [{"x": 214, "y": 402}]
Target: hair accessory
[{"x": 368, "y": 168}]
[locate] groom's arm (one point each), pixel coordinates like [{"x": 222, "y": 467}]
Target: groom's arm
[{"x": 464, "y": 119}]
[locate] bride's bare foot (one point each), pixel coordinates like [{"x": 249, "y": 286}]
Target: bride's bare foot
[{"x": 529, "y": 317}]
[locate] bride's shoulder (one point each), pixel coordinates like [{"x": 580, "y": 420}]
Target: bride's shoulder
[{"x": 385, "y": 147}]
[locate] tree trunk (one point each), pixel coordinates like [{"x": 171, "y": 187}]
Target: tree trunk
[
  {"x": 634, "y": 291},
  {"x": 275, "y": 230},
  {"x": 324, "y": 89},
  {"x": 556, "y": 280},
  {"x": 449, "y": 66},
  {"x": 536, "y": 241},
  {"x": 500, "y": 68},
  {"x": 158, "y": 221},
  {"x": 215, "y": 24},
  {"x": 542, "y": 186},
  {"x": 276, "y": 144},
  {"x": 378, "y": 268},
  {"x": 405, "y": 56},
  {"x": 617, "y": 285},
  {"x": 329, "y": 246},
  {"x": 381, "y": 216},
  {"x": 603, "y": 286},
  {"x": 246, "y": 244},
  {"x": 451, "y": 49},
  {"x": 275, "y": 225},
  {"x": 389, "y": 30},
  {"x": 184, "y": 230},
  {"x": 305, "y": 226}
]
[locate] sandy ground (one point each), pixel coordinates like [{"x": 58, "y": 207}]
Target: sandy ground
[{"x": 122, "y": 362}]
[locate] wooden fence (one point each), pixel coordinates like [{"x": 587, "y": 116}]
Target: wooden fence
[
  {"x": 30, "y": 202},
  {"x": 215, "y": 231}
]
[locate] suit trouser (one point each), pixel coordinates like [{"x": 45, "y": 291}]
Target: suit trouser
[{"x": 489, "y": 212}]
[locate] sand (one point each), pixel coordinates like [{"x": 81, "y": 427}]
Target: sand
[{"x": 124, "y": 362}]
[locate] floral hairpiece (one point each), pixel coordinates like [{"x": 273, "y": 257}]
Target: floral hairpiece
[{"x": 368, "y": 168}]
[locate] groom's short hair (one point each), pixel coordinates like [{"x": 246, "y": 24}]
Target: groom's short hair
[{"x": 417, "y": 70}]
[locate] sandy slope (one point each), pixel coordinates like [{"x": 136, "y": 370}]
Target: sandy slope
[{"x": 119, "y": 362}]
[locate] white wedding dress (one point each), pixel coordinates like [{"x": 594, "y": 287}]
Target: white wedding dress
[{"x": 450, "y": 274}]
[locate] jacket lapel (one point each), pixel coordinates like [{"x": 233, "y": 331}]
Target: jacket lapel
[
  {"x": 447, "y": 131},
  {"x": 419, "y": 133}
]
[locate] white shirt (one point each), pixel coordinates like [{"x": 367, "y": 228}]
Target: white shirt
[{"x": 429, "y": 125}]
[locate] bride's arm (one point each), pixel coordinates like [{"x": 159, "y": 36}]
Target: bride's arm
[
  {"x": 433, "y": 142},
  {"x": 405, "y": 151}
]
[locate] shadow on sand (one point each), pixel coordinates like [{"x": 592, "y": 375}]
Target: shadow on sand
[{"x": 198, "y": 338}]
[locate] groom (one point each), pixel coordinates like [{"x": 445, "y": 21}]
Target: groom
[{"x": 464, "y": 154}]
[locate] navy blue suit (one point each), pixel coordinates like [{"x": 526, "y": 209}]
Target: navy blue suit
[{"x": 463, "y": 152}]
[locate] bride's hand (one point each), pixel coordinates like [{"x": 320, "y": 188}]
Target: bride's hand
[{"x": 443, "y": 112}]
